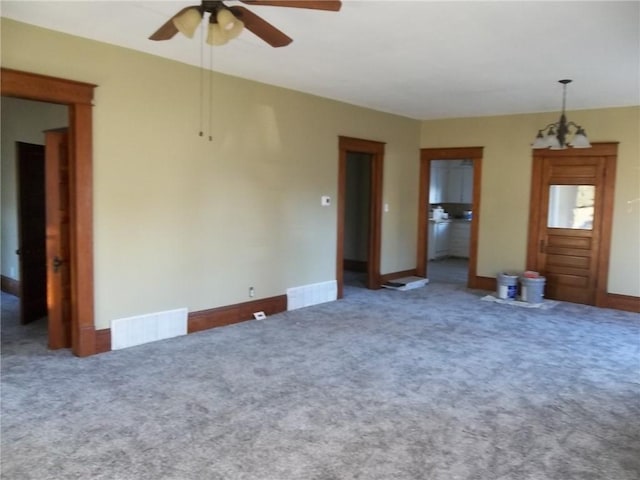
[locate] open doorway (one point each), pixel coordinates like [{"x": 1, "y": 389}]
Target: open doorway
[
  {"x": 450, "y": 216},
  {"x": 359, "y": 195},
  {"x": 448, "y": 212},
  {"x": 35, "y": 184},
  {"x": 76, "y": 98},
  {"x": 357, "y": 223}
]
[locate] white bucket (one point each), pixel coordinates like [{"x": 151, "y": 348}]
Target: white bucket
[{"x": 507, "y": 286}]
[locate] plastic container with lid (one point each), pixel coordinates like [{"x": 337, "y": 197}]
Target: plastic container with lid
[
  {"x": 532, "y": 289},
  {"x": 507, "y": 286}
]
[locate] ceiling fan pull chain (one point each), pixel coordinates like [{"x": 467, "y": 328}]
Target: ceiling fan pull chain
[
  {"x": 201, "y": 82},
  {"x": 210, "y": 93}
]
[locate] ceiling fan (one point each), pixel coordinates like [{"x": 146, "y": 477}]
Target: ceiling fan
[{"x": 226, "y": 23}]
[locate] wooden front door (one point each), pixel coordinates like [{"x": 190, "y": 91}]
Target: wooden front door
[
  {"x": 31, "y": 232},
  {"x": 570, "y": 222},
  {"x": 58, "y": 230}
]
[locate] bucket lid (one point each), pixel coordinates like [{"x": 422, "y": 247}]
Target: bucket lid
[{"x": 532, "y": 279}]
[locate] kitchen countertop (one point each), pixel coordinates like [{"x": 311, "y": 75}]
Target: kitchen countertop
[{"x": 449, "y": 220}]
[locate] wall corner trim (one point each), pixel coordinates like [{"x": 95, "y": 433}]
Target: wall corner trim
[{"x": 103, "y": 340}]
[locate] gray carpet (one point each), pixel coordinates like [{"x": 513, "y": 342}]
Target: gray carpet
[{"x": 424, "y": 384}]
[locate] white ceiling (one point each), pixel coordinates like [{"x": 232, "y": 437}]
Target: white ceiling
[{"x": 420, "y": 59}]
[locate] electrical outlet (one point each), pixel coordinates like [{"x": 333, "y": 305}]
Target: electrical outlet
[
  {"x": 259, "y": 315},
  {"x": 252, "y": 292}
]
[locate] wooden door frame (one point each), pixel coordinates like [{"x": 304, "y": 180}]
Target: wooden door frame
[
  {"x": 428, "y": 155},
  {"x": 376, "y": 150},
  {"x": 78, "y": 97},
  {"x": 609, "y": 151}
]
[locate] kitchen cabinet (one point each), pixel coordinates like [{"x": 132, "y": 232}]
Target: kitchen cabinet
[
  {"x": 467, "y": 185},
  {"x": 439, "y": 237},
  {"x": 438, "y": 182},
  {"x": 460, "y": 238},
  {"x": 459, "y": 187}
]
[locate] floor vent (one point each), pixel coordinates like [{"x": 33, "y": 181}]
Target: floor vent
[
  {"x": 127, "y": 332},
  {"x": 313, "y": 294}
]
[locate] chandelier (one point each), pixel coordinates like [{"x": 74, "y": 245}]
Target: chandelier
[{"x": 554, "y": 135}]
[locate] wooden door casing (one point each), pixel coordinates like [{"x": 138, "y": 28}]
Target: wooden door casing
[
  {"x": 575, "y": 262},
  {"x": 376, "y": 150},
  {"x": 428, "y": 155},
  {"x": 78, "y": 97}
]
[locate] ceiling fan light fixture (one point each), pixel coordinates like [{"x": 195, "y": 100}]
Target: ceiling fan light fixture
[
  {"x": 216, "y": 35},
  {"x": 234, "y": 19},
  {"x": 229, "y": 23},
  {"x": 188, "y": 22}
]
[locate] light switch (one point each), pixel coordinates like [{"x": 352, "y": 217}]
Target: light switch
[
  {"x": 325, "y": 200},
  {"x": 386, "y": 207}
]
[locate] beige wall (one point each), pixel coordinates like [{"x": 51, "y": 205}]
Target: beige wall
[
  {"x": 22, "y": 121},
  {"x": 506, "y": 178},
  {"x": 181, "y": 221}
]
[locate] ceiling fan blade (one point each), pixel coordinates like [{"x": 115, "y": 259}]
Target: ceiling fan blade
[
  {"x": 333, "y": 5},
  {"x": 168, "y": 30},
  {"x": 261, "y": 28}
]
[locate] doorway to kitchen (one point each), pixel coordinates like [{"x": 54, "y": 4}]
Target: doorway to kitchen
[{"x": 448, "y": 214}]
